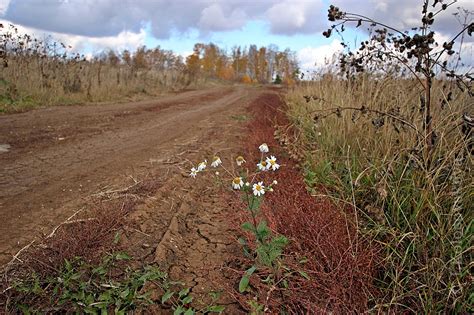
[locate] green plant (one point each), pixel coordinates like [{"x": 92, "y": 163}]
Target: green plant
[
  {"x": 268, "y": 247},
  {"x": 181, "y": 300},
  {"x": 79, "y": 286},
  {"x": 111, "y": 286}
]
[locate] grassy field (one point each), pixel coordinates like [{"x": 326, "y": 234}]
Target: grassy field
[{"x": 362, "y": 140}]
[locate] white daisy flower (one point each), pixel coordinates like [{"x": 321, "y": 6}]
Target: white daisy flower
[
  {"x": 263, "y": 148},
  {"x": 216, "y": 161},
  {"x": 237, "y": 183},
  {"x": 240, "y": 160},
  {"x": 262, "y": 166},
  {"x": 258, "y": 189},
  {"x": 247, "y": 184},
  {"x": 202, "y": 166},
  {"x": 275, "y": 182},
  {"x": 193, "y": 173},
  {"x": 272, "y": 164}
]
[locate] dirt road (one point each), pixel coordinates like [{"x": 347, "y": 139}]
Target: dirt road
[{"x": 53, "y": 158}]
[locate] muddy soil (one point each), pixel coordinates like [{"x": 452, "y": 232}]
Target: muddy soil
[{"x": 54, "y": 159}]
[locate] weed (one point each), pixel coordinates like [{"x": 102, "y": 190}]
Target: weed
[
  {"x": 81, "y": 287},
  {"x": 398, "y": 155},
  {"x": 268, "y": 247},
  {"x": 111, "y": 286}
]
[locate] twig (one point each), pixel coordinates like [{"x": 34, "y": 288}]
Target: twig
[
  {"x": 110, "y": 192},
  {"x": 15, "y": 257},
  {"x": 64, "y": 222}
]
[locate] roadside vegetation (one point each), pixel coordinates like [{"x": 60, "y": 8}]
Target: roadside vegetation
[
  {"x": 390, "y": 134},
  {"x": 359, "y": 200},
  {"x": 38, "y": 72}
]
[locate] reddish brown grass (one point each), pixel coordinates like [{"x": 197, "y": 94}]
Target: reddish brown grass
[
  {"x": 89, "y": 236},
  {"x": 339, "y": 263}
]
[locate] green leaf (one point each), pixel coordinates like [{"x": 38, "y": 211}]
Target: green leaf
[
  {"x": 100, "y": 270},
  {"x": 304, "y": 260},
  {"x": 183, "y": 292},
  {"x": 75, "y": 276},
  {"x": 262, "y": 230},
  {"x": 124, "y": 293},
  {"x": 188, "y": 299},
  {"x": 242, "y": 241},
  {"x": 122, "y": 256},
  {"x": 247, "y": 226},
  {"x": 179, "y": 310},
  {"x": 304, "y": 275},
  {"x": 268, "y": 279},
  {"x": 216, "y": 308},
  {"x": 263, "y": 255},
  {"x": 166, "y": 296},
  {"x": 189, "y": 312},
  {"x": 251, "y": 270},
  {"x": 254, "y": 203},
  {"x": 116, "y": 238},
  {"x": 244, "y": 283},
  {"x": 280, "y": 241}
]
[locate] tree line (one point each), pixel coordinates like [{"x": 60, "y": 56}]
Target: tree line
[{"x": 45, "y": 70}]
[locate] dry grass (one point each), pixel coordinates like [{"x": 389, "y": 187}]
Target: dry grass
[
  {"x": 44, "y": 72},
  {"x": 324, "y": 244},
  {"x": 89, "y": 235},
  {"x": 363, "y": 141}
]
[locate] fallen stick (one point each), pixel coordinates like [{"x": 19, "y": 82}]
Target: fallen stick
[{"x": 67, "y": 220}]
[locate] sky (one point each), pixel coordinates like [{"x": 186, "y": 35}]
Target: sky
[{"x": 91, "y": 26}]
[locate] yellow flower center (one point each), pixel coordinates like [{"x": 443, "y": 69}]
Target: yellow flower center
[
  {"x": 215, "y": 158},
  {"x": 240, "y": 159},
  {"x": 272, "y": 162},
  {"x": 263, "y": 163},
  {"x": 258, "y": 187},
  {"x": 236, "y": 181}
]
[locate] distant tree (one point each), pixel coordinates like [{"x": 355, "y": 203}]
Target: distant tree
[
  {"x": 127, "y": 57},
  {"x": 112, "y": 58},
  {"x": 277, "y": 79}
]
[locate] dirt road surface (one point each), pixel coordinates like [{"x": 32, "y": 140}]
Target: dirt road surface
[{"x": 53, "y": 158}]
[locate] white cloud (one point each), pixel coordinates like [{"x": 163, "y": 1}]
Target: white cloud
[
  {"x": 88, "y": 44},
  {"x": 295, "y": 16},
  {"x": 214, "y": 18},
  {"x": 124, "y": 40},
  {"x": 166, "y": 17},
  {"x": 4, "y": 6},
  {"x": 312, "y": 58},
  {"x": 405, "y": 14}
]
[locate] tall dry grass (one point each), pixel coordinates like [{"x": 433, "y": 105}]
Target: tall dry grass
[
  {"x": 44, "y": 72},
  {"x": 362, "y": 140}
]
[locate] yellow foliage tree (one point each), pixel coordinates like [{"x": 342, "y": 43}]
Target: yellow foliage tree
[{"x": 246, "y": 79}]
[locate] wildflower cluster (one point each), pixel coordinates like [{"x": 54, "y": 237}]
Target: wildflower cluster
[
  {"x": 268, "y": 247},
  {"x": 243, "y": 180}
]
